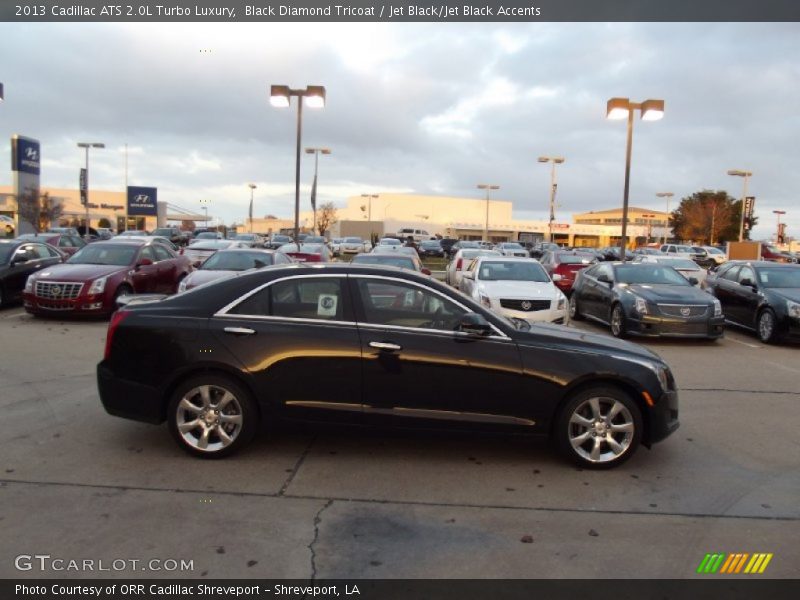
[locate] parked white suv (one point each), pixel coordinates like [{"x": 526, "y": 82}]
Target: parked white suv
[{"x": 418, "y": 235}]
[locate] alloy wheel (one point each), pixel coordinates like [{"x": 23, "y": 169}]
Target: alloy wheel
[
  {"x": 601, "y": 430},
  {"x": 617, "y": 322},
  {"x": 209, "y": 418},
  {"x": 766, "y": 326}
]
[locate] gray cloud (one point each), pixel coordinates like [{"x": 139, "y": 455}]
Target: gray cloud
[{"x": 430, "y": 108}]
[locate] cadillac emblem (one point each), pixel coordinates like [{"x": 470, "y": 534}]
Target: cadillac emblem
[
  {"x": 55, "y": 291},
  {"x": 526, "y": 305},
  {"x": 686, "y": 311}
]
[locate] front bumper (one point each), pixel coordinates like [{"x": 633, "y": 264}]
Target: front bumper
[
  {"x": 663, "y": 326},
  {"x": 83, "y": 305},
  {"x": 663, "y": 417},
  {"x": 550, "y": 315}
]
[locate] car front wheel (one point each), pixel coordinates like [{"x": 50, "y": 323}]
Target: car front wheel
[
  {"x": 618, "y": 321},
  {"x": 574, "y": 311},
  {"x": 767, "y": 326},
  {"x": 599, "y": 428},
  {"x": 211, "y": 416}
]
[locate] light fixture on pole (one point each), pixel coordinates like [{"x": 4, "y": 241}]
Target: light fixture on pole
[
  {"x": 204, "y": 206},
  {"x": 745, "y": 175},
  {"x": 487, "y": 187},
  {"x": 316, "y": 152},
  {"x": 556, "y": 160},
  {"x": 314, "y": 96},
  {"x": 369, "y": 213},
  {"x": 778, "y": 236},
  {"x": 2, "y": 97},
  {"x": 252, "y": 187},
  {"x": 86, "y": 146},
  {"x": 620, "y": 108},
  {"x": 666, "y": 195}
]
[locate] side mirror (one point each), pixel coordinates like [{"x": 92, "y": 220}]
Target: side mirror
[
  {"x": 747, "y": 282},
  {"x": 693, "y": 280},
  {"x": 144, "y": 262},
  {"x": 468, "y": 274},
  {"x": 474, "y": 324},
  {"x": 425, "y": 271},
  {"x": 556, "y": 277},
  {"x": 18, "y": 260},
  {"x": 603, "y": 278}
]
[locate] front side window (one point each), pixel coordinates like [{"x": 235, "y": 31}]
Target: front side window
[
  {"x": 387, "y": 302},
  {"x": 297, "y": 298}
]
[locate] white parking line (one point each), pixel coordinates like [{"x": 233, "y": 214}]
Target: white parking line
[
  {"x": 12, "y": 314},
  {"x": 759, "y": 346}
]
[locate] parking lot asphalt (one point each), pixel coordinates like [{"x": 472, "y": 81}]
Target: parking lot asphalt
[{"x": 77, "y": 483}]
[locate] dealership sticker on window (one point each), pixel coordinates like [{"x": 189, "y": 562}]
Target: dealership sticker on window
[{"x": 326, "y": 305}]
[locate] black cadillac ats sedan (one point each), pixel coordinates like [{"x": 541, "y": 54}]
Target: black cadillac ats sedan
[{"x": 374, "y": 346}]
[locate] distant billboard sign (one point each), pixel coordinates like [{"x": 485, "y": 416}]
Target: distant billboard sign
[{"x": 142, "y": 201}]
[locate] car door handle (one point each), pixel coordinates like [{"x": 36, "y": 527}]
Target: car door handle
[
  {"x": 240, "y": 330},
  {"x": 385, "y": 346}
]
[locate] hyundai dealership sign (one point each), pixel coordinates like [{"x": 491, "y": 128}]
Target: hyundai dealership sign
[
  {"x": 26, "y": 160},
  {"x": 142, "y": 201},
  {"x": 25, "y": 155}
]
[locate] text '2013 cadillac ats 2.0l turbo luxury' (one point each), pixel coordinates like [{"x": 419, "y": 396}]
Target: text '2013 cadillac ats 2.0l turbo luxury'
[{"x": 375, "y": 346}]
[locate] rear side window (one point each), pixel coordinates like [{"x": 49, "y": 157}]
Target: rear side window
[{"x": 299, "y": 298}]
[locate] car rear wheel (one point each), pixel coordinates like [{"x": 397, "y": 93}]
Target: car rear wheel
[
  {"x": 211, "y": 416},
  {"x": 574, "y": 311},
  {"x": 618, "y": 321},
  {"x": 767, "y": 326},
  {"x": 599, "y": 428}
]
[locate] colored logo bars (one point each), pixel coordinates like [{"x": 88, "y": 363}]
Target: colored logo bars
[{"x": 734, "y": 563}]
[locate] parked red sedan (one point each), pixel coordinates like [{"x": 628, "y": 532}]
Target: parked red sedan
[
  {"x": 91, "y": 280},
  {"x": 563, "y": 266},
  {"x": 307, "y": 252},
  {"x": 66, "y": 242}
]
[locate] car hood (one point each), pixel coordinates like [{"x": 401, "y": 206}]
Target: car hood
[
  {"x": 677, "y": 294},
  {"x": 584, "y": 340},
  {"x": 792, "y": 294},
  {"x": 67, "y": 272},
  {"x": 518, "y": 289},
  {"x": 202, "y": 276}
]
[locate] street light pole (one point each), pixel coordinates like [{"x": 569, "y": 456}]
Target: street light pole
[
  {"x": 619, "y": 108},
  {"x": 556, "y": 160},
  {"x": 369, "y": 213},
  {"x": 316, "y": 152},
  {"x": 778, "y": 232},
  {"x": 252, "y": 187},
  {"x": 204, "y": 206},
  {"x": 666, "y": 195},
  {"x": 314, "y": 96},
  {"x": 487, "y": 187},
  {"x": 86, "y": 146},
  {"x": 745, "y": 175}
]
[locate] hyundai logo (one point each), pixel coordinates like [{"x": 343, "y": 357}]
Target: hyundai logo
[
  {"x": 31, "y": 154},
  {"x": 142, "y": 199}
]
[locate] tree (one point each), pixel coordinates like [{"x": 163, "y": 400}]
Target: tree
[
  {"x": 326, "y": 216},
  {"x": 708, "y": 217},
  {"x": 104, "y": 223},
  {"x": 40, "y": 211}
]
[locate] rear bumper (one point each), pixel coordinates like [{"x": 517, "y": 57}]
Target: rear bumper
[{"x": 128, "y": 399}]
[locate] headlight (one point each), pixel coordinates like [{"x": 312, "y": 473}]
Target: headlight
[
  {"x": 98, "y": 286},
  {"x": 793, "y": 308},
  {"x": 29, "y": 285},
  {"x": 641, "y": 306},
  {"x": 562, "y": 302},
  {"x": 486, "y": 301},
  {"x": 718, "y": 308}
]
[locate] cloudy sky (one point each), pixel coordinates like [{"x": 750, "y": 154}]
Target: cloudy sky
[{"x": 427, "y": 108}]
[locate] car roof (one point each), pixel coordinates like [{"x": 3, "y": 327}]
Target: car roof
[{"x": 762, "y": 263}]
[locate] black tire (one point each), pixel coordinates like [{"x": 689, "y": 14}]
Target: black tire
[
  {"x": 122, "y": 290},
  {"x": 588, "y": 415},
  {"x": 574, "y": 309},
  {"x": 767, "y": 326},
  {"x": 617, "y": 322},
  {"x": 221, "y": 438}
]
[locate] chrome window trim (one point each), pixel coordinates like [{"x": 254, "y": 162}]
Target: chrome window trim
[{"x": 223, "y": 312}]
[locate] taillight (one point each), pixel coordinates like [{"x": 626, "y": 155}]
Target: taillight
[
  {"x": 458, "y": 264},
  {"x": 116, "y": 319}
]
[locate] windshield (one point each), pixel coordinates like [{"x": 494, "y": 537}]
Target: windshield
[
  {"x": 655, "y": 274},
  {"x": 353, "y": 240},
  {"x": 469, "y": 244},
  {"x": 678, "y": 264},
  {"x": 431, "y": 245},
  {"x": 245, "y": 236},
  {"x": 212, "y": 245},
  {"x": 165, "y": 231},
  {"x": 395, "y": 260},
  {"x": 105, "y": 254},
  {"x": 512, "y": 246},
  {"x": 237, "y": 261},
  {"x": 772, "y": 277},
  {"x": 575, "y": 259},
  {"x": 512, "y": 271}
]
